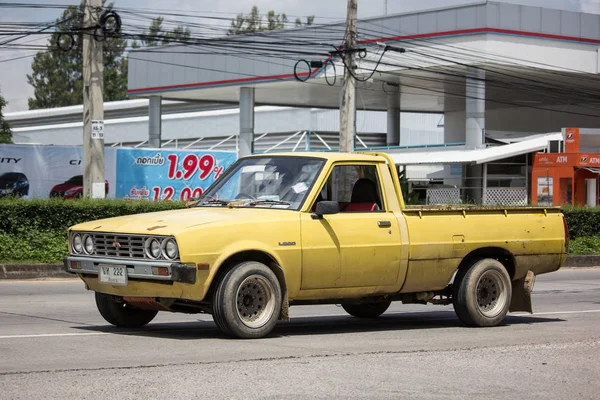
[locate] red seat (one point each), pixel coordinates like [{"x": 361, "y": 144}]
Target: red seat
[{"x": 360, "y": 207}]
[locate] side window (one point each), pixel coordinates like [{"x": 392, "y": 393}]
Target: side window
[{"x": 355, "y": 187}]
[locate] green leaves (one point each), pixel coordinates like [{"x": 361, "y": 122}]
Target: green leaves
[
  {"x": 36, "y": 230},
  {"x": 5, "y": 131},
  {"x": 252, "y": 22},
  {"x": 57, "y": 75}
]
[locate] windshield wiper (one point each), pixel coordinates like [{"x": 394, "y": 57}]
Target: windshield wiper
[
  {"x": 269, "y": 202},
  {"x": 213, "y": 202}
]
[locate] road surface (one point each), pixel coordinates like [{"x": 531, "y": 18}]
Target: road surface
[{"x": 55, "y": 345}]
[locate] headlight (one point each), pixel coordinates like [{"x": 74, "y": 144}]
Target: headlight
[
  {"x": 170, "y": 250},
  {"x": 88, "y": 244},
  {"x": 152, "y": 248},
  {"x": 77, "y": 243}
]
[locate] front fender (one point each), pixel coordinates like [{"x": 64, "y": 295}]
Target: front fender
[{"x": 287, "y": 259}]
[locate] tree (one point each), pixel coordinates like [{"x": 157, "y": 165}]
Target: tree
[
  {"x": 252, "y": 22},
  {"x": 157, "y": 36},
  {"x": 5, "y": 131},
  {"x": 57, "y": 74}
]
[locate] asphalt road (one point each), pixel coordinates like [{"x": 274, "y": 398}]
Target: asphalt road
[{"x": 54, "y": 344}]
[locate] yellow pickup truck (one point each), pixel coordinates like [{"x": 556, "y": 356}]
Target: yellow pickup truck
[{"x": 314, "y": 228}]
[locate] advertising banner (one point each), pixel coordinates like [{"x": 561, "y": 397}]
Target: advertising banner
[
  {"x": 158, "y": 174},
  {"x": 31, "y": 171}
]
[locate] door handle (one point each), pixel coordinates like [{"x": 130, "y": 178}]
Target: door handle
[{"x": 384, "y": 224}]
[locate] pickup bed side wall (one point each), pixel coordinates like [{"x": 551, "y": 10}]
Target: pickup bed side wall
[{"x": 441, "y": 239}]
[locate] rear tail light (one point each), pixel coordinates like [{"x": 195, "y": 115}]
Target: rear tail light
[{"x": 566, "y": 226}]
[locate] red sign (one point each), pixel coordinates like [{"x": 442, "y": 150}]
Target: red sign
[
  {"x": 567, "y": 160},
  {"x": 572, "y": 140}
]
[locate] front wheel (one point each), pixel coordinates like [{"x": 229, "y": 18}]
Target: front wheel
[
  {"x": 122, "y": 314},
  {"x": 367, "y": 310},
  {"x": 247, "y": 301},
  {"x": 482, "y": 293}
]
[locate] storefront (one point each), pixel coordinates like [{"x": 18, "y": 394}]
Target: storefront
[{"x": 569, "y": 177}]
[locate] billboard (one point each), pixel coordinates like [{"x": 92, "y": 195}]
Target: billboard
[
  {"x": 33, "y": 171},
  {"x": 168, "y": 174}
]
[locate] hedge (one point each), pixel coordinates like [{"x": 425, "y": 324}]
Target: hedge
[
  {"x": 36, "y": 230},
  {"x": 583, "y": 222},
  {"x": 56, "y": 215}
]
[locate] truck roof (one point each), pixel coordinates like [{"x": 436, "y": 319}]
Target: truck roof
[{"x": 331, "y": 156}]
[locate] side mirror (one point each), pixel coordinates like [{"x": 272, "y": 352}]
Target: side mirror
[{"x": 324, "y": 208}]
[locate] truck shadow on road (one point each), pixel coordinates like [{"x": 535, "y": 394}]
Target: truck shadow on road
[{"x": 318, "y": 325}]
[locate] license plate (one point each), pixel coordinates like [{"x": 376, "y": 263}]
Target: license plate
[{"x": 113, "y": 274}]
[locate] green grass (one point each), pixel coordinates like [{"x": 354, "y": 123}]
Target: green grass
[{"x": 585, "y": 245}]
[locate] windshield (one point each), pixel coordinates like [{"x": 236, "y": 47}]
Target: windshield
[
  {"x": 76, "y": 180},
  {"x": 9, "y": 178},
  {"x": 273, "y": 182}
]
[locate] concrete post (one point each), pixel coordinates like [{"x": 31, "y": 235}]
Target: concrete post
[
  {"x": 93, "y": 108},
  {"x": 155, "y": 122},
  {"x": 246, "y": 142},
  {"x": 475, "y": 107},
  {"x": 475, "y": 128},
  {"x": 393, "y": 120}
]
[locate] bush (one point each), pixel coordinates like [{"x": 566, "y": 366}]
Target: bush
[
  {"x": 585, "y": 245},
  {"x": 583, "y": 222},
  {"x": 36, "y": 230},
  {"x": 56, "y": 215}
]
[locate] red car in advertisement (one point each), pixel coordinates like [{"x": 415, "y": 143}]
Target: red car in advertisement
[{"x": 72, "y": 189}]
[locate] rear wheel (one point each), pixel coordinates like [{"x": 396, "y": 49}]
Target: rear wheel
[
  {"x": 247, "y": 301},
  {"x": 482, "y": 293},
  {"x": 122, "y": 314},
  {"x": 367, "y": 310}
]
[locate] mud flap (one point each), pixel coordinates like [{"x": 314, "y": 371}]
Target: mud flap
[{"x": 521, "y": 293}]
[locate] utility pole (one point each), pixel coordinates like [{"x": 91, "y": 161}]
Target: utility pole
[
  {"x": 348, "y": 111},
  {"x": 93, "y": 105}
]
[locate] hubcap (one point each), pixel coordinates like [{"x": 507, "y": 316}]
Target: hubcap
[
  {"x": 255, "y": 303},
  {"x": 491, "y": 294}
]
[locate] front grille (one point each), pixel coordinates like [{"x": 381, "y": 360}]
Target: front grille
[{"x": 129, "y": 246}]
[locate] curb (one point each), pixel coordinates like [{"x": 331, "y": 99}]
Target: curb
[
  {"x": 33, "y": 271},
  {"x": 582, "y": 261}
]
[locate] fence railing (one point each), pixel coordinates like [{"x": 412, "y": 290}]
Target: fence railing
[{"x": 489, "y": 196}]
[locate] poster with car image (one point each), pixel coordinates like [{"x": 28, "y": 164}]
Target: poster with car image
[
  {"x": 32, "y": 171},
  {"x": 157, "y": 174}
]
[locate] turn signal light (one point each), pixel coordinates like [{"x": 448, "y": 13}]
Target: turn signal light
[
  {"x": 202, "y": 266},
  {"x": 162, "y": 271},
  {"x": 75, "y": 265}
]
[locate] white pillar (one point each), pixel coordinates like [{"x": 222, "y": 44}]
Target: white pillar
[
  {"x": 475, "y": 108},
  {"x": 393, "y": 120},
  {"x": 155, "y": 122},
  {"x": 246, "y": 138}
]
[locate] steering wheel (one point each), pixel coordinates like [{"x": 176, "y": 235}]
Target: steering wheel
[{"x": 242, "y": 196}]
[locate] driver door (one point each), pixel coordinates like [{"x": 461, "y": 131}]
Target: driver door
[{"x": 358, "y": 247}]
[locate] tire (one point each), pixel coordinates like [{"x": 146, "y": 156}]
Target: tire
[
  {"x": 247, "y": 301},
  {"x": 367, "y": 310},
  {"x": 122, "y": 314},
  {"x": 482, "y": 293}
]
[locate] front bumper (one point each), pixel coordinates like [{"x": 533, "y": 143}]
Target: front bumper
[{"x": 136, "y": 269}]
